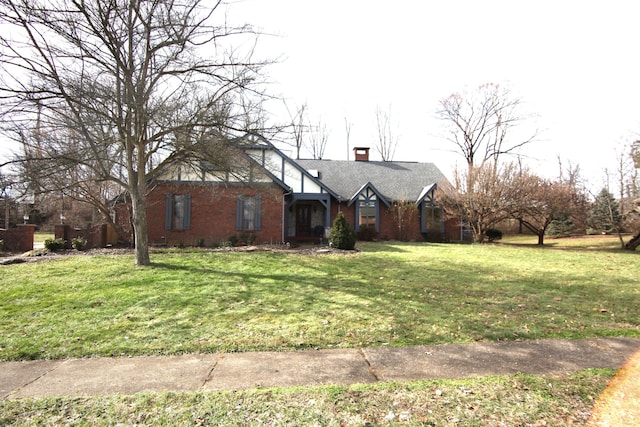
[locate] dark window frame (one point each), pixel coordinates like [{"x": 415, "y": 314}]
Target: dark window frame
[
  {"x": 249, "y": 213},
  {"x": 177, "y": 212}
]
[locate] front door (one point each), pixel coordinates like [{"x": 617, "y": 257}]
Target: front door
[{"x": 303, "y": 220}]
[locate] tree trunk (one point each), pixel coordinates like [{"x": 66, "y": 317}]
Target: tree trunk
[
  {"x": 140, "y": 236},
  {"x": 633, "y": 243},
  {"x": 619, "y": 230},
  {"x": 541, "y": 238}
]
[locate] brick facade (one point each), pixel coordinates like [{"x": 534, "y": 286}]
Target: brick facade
[
  {"x": 213, "y": 214},
  {"x": 389, "y": 229}
]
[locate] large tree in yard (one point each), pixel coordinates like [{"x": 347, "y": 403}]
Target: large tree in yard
[
  {"x": 480, "y": 125},
  {"x": 538, "y": 202},
  {"x": 111, "y": 88},
  {"x": 482, "y": 197}
]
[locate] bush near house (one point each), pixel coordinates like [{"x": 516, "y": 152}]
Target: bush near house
[{"x": 342, "y": 235}]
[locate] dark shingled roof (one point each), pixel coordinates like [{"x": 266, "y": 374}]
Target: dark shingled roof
[{"x": 396, "y": 181}]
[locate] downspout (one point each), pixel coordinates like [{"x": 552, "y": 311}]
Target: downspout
[{"x": 284, "y": 196}]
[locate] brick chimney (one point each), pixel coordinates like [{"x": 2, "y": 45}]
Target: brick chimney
[{"x": 361, "y": 154}]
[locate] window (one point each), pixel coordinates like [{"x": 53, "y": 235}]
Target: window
[
  {"x": 367, "y": 213},
  {"x": 248, "y": 213},
  {"x": 178, "y": 212},
  {"x": 432, "y": 219}
]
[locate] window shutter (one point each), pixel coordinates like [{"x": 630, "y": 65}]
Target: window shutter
[
  {"x": 258, "y": 224},
  {"x": 168, "y": 212},
  {"x": 187, "y": 212},
  {"x": 239, "y": 207}
]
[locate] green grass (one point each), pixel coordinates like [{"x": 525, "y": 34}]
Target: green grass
[
  {"x": 490, "y": 401},
  {"x": 40, "y": 237},
  {"x": 388, "y": 294}
]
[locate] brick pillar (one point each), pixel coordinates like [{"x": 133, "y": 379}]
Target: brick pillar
[
  {"x": 24, "y": 241},
  {"x": 63, "y": 231}
]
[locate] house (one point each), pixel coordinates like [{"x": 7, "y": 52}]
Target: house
[{"x": 267, "y": 197}]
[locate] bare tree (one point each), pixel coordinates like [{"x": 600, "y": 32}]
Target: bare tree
[
  {"x": 404, "y": 213},
  {"x": 318, "y": 138},
  {"x": 483, "y": 205},
  {"x": 6, "y": 184},
  {"x": 478, "y": 123},
  {"x": 537, "y": 202},
  {"x": 119, "y": 85},
  {"x": 347, "y": 129},
  {"x": 632, "y": 214},
  {"x": 299, "y": 127},
  {"x": 387, "y": 141}
]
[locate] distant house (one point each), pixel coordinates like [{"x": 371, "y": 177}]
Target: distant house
[{"x": 269, "y": 197}]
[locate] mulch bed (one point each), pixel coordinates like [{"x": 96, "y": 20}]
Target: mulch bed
[{"x": 46, "y": 255}]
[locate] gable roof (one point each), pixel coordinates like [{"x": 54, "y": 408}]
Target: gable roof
[
  {"x": 396, "y": 181},
  {"x": 296, "y": 177},
  {"x": 373, "y": 189}
]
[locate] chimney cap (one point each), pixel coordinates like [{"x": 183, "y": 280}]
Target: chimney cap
[{"x": 361, "y": 154}]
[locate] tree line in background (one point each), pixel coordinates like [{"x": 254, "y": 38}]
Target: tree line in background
[
  {"x": 492, "y": 190},
  {"x": 101, "y": 96}
]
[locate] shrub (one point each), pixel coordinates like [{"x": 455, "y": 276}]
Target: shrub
[
  {"x": 366, "y": 233},
  {"x": 248, "y": 238},
  {"x": 79, "y": 243},
  {"x": 55, "y": 245},
  {"x": 493, "y": 235},
  {"x": 342, "y": 235}
]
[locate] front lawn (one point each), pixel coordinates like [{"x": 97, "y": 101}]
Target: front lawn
[
  {"x": 388, "y": 294},
  {"x": 514, "y": 400}
]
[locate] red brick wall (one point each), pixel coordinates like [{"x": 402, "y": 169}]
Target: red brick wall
[
  {"x": 213, "y": 214},
  {"x": 19, "y": 239},
  {"x": 390, "y": 230},
  {"x": 388, "y": 224},
  {"x": 96, "y": 237},
  {"x": 452, "y": 229}
]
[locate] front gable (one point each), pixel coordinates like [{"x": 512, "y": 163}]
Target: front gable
[
  {"x": 367, "y": 202},
  {"x": 298, "y": 179},
  {"x": 427, "y": 195},
  {"x": 368, "y": 192}
]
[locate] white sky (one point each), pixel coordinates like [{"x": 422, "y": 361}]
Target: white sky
[{"x": 575, "y": 64}]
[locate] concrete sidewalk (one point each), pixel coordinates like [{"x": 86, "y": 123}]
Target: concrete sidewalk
[{"x": 101, "y": 376}]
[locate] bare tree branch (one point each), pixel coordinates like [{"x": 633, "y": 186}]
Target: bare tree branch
[
  {"x": 479, "y": 122},
  {"x": 387, "y": 141},
  {"x": 108, "y": 89}
]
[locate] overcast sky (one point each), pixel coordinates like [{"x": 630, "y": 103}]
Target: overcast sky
[{"x": 574, "y": 64}]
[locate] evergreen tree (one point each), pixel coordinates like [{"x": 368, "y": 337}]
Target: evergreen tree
[
  {"x": 604, "y": 215},
  {"x": 342, "y": 235},
  {"x": 561, "y": 227}
]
